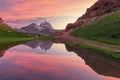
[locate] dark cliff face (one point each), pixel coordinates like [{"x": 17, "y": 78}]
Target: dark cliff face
[
  {"x": 100, "y": 8},
  {"x": 1, "y": 21}
]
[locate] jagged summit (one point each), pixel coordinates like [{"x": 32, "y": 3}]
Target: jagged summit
[
  {"x": 31, "y": 27},
  {"x": 45, "y": 28},
  {"x": 46, "y": 25},
  {"x": 34, "y": 27}
]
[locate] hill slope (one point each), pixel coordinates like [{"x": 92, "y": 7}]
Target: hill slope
[
  {"x": 106, "y": 29},
  {"x": 6, "y": 31},
  {"x": 96, "y": 11}
]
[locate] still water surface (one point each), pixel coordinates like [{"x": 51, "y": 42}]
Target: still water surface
[{"x": 45, "y": 60}]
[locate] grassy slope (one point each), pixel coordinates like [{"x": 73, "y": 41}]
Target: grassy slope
[
  {"x": 105, "y": 29},
  {"x": 8, "y": 35},
  {"x": 6, "y": 31}
]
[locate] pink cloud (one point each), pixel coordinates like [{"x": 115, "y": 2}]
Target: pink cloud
[
  {"x": 27, "y": 9},
  {"x": 46, "y": 8}
]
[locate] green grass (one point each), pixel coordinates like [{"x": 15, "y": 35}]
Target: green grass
[
  {"x": 7, "y": 34},
  {"x": 106, "y": 52},
  {"x": 6, "y": 31},
  {"x": 105, "y": 29},
  {"x": 11, "y": 39}
]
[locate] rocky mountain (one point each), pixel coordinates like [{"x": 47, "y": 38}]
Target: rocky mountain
[
  {"x": 99, "y": 9},
  {"x": 45, "y": 28},
  {"x": 31, "y": 27}
]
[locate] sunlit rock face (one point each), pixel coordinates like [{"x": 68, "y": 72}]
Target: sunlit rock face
[{"x": 100, "y": 8}]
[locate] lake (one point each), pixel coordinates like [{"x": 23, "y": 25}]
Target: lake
[{"x": 46, "y": 60}]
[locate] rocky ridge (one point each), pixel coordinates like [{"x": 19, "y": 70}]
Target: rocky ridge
[{"x": 99, "y": 9}]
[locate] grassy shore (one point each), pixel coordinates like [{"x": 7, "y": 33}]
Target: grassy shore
[
  {"x": 104, "y": 51},
  {"x": 11, "y": 39},
  {"x": 105, "y": 29},
  {"x": 107, "y": 52},
  {"x": 7, "y": 42},
  {"x": 17, "y": 39}
]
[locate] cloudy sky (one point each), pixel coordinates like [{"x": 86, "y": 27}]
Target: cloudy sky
[{"x": 19, "y": 13}]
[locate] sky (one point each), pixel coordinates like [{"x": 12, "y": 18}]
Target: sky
[{"x": 20, "y": 13}]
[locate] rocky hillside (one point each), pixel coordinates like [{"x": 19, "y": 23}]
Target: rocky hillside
[
  {"x": 100, "y": 23},
  {"x": 100, "y": 8}
]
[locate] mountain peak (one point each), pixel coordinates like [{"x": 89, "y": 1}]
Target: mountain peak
[
  {"x": 33, "y": 25},
  {"x": 45, "y": 28},
  {"x": 46, "y": 25}
]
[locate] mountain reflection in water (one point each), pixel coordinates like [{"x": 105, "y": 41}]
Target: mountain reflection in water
[
  {"x": 45, "y": 60},
  {"x": 45, "y": 45}
]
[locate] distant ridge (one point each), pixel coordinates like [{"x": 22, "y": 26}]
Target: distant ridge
[{"x": 45, "y": 28}]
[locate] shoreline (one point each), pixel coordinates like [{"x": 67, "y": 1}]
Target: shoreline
[{"x": 109, "y": 50}]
